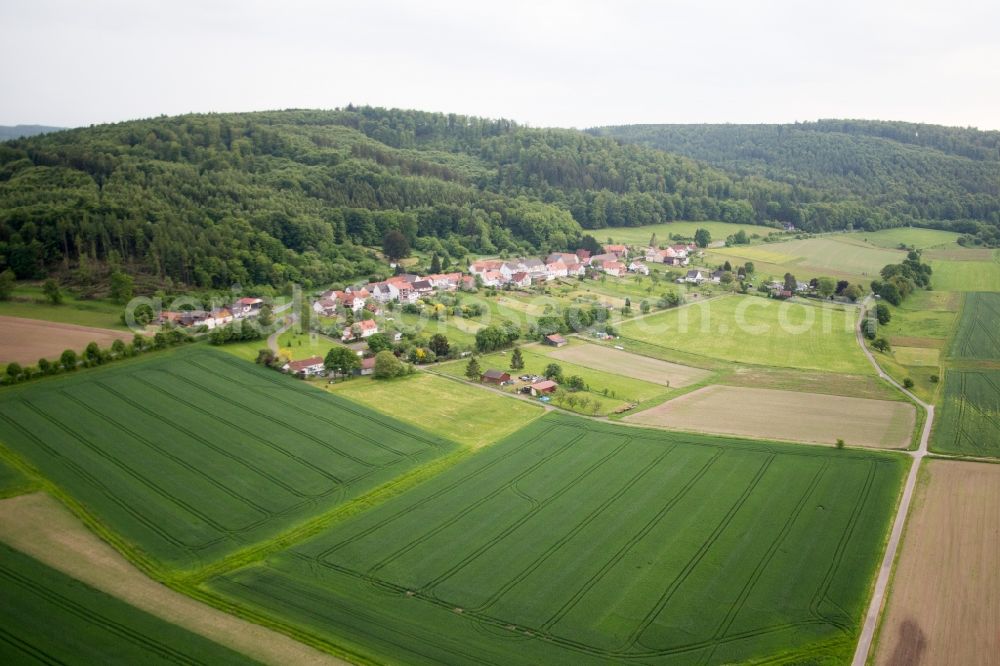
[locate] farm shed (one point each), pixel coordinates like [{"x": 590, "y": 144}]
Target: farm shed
[
  {"x": 495, "y": 376},
  {"x": 555, "y": 340},
  {"x": 543, "y": 387}
]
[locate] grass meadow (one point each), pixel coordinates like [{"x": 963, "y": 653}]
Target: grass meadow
[
  {"x": 759, "y": 331},
  {"x": 922, "y": 239},
  {"x": 965, "y": 275},
  {"x": 834, "y": 256},
  {"x": 191, "y": 455},
  {"x": 573, "y": 542},
  {"x": 444, "y": 406}
]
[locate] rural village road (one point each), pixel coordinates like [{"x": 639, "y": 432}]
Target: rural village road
[{"x": 885, "y": 570}]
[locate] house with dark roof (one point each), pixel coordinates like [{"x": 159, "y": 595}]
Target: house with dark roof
[{"x": 492, "y": 376}]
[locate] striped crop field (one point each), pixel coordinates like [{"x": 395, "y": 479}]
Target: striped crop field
[
  {"x": 968, "y": 421},
  {"x": 577, "y": 542},
  {"x": 193, "y": 454},
  {"x": 47, "y": 617},
  {"x": 978, "y": 335}
]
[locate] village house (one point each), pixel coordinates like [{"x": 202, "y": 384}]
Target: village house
[
  {"x": 583, "y": 256},
  {"x": 325, "y": 306},
  {"x": 556, "y": 269},
  {"x": 247, "y": 307},
  {"x": 555, "y": 340},
  {"x": 365, "y": 328},
  {"x": 694, "y": 277},
  {"x": 366, "y": 368},
  {"x": 565, "y": 257},
  {"x": 638, "y": 267},
  {"x": 614, "y": 268},
  {"x": 492, "y": 376},
  {"x": 620, "y": 251},
  {"x": 521, "y": 279},
  {"x": 716, "y": 276},
  {"x": 599, "y": 259},
  {"x": 543, "y": 387},
  {"x": 575, "y": 269},
  {"x": 308, "y": 367}
]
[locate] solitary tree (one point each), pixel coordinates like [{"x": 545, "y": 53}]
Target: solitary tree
[
  {"x": 341, "y": 360},
  {"x": 435, "y": 263},
  {"x": 553, "y": 371},
  {"x": 881, "y": 344},
  {"x": 517, "y": 360},
  {"x": 388, "y": 366},
  {"x": 439, "y": 345},
  {"x": 68, "y": 360},
  {"x": 702, "y": 237},
  {"x": 6, "y": 284},
  {"x": 395, "y": 245},
  {"x": 882, "y": 313},
  {"x": 472, "y": 369},
  {"x": 748, "y": 268},
  {"x": 52, "y": 291},
  {"x": 790, "y": 282},
  {"x": 122, "y": 287},
  {"x": 266, "y": 316}
]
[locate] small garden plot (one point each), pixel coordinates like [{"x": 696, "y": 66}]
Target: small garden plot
[
  {"x": 628, "y": 364},
  {"x": 787, "y": 415}
]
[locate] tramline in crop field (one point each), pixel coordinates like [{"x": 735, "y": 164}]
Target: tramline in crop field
[
  {"x": 978, "y": 335},
  {"x": 192, "y": 454},
  {"x": 574, "y": 542}
]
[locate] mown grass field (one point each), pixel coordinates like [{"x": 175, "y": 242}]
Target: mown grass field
[
  {"x": 764, "y": 413},
  {"x": 921, "y": 321},
  {"x": 833, "y": 256},
  {"x": 47, "y": 617},
  {"x": 754, "y": 330},
  {"x": 192, "y": 454},
  {"x": 965, "y": 275},
  {"x": 29, "y": 302},
  {"x": 616, "y": 361},
  {"x": 968, "y": 420},
  {"x": 573, "y": 542},
  {"x": 619, "y": 388},
  {"x": 921, "y": 239},
  {"x": 978, "y": 334},
  {"x": 463, "y": 415}
]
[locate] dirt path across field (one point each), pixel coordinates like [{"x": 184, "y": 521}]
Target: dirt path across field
[
  {"x": 945, "y": 603},
  {"x": 39, "y": 526},
  {"x": 27, "y": 340}
]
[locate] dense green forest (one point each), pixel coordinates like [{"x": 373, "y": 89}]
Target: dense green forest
[
  {"x": 272, "y": 197},
  {"x": 927, "y": 175}
]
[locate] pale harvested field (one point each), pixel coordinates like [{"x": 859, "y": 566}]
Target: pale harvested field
[
  {"x": 632, "y": 365},
  {"x": 787, "y": 415},
  {"x": 27, "y": 340},
  {"x": 944, "y": 607},
  {"x": 39, "y": 526}
]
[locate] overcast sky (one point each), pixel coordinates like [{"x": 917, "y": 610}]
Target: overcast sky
[{"x": 571, "y": 64}]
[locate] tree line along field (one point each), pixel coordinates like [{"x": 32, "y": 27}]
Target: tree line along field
[
  {"x": 758, "y": 331},
  {"x": 192, "y": 454},
  {"x": 573, "y": 542},
  {"x": 47, "y": 617}
]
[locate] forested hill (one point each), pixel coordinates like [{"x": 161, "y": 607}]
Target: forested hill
[
  {"x": 926, "y": 174},
  {"x": 264, "y": 198}
]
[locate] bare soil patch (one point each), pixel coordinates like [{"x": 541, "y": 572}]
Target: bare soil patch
[
  {"x": 786, "y": 415},
  {"x": 944, "y": 607},
  {"x": 910, "y": 341},
  {"x": 39, "y": 526},
  {"x": 27, "y": 340},
  {"x": 632, "y": 365}
]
